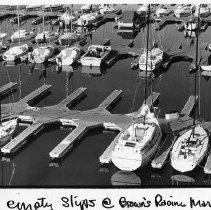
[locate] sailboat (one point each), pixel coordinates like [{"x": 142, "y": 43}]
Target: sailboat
[
  {"x": 68, "y": 56},
  {"x": 69, "y": 37},
  {"x": 138, "y": 143},
  {"x": 7, "y": 128},
  {"x": 42, "y": 54},
  {"x": 46, "y": 36},
  {"x": 14, "y": 53},
  {"x": 191, "y": 147},
  {"x": 153, "y": 57}
]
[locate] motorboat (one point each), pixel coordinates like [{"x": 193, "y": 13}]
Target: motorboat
[
  {"x": 22, "y": 35},
  {"x": 183, "y": 11},
  {"x": 14, "y": 53},
  {"x": 42, "y": 54},
  {"x": 155, "y": 58},
  {"x": 46, "y": 36},
  {"x": 204, "y": 11},
  {"x": 68, "y": 56},
  {"x": 86, "y": 8},
  {"x": 137, "y": 144},
  {"x": 7, "y": 129},
  {"x": 69, "y": 38},
  {"x": 96, "y": 55},
  {"x": 89, "y": 19},
  {"x": 107, "y": 10},
  {"x": 163, "y": 11},
  {"x": 189, "y": 149}
]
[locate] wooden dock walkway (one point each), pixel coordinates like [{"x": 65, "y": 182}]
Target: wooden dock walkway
[
  {"x": 76, "y": 95},
  {"x": 189, "y": 106},
  {"x": 106, "y": 156},
  {"x": 9, "y": 87},
  {"x": 64, "y": 146},
  {"x": 30, "y": 98},
  {"x": 163, "y": 152},
  {"x": 21, "y": 139},
  {"x": 110, "y": 99}
]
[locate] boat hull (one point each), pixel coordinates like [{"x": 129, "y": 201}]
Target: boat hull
[
  {"x": 189, "y": 162},
  {"x": 129, "y": 160},
  {"x": 11, "y": 126},
  {"x": 22, "y": 39}
]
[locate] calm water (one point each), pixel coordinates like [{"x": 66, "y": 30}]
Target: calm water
[{"x": 31, "y": 166}]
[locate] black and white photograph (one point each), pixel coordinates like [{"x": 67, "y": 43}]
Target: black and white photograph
[{"x": 105, "y": 95}]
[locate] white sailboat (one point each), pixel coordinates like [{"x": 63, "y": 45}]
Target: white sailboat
[
  {"x": 14, "y": 53},
  {"x": 7, "y": 129},
  {"x": 42, "y": 54},
  {"x": 137, "y": 144},
  {"x": 68, "y": 56},
  {"x": 23, "y": 35},
  {"x": 107, "y": 9},
  {"x": 191, "y": 147},
  {"x": 46, "y": 36},
  {"x": 154, "y": 61}
]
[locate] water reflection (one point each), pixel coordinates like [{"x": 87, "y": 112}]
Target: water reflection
[
  {"x": 94, "y": 71},
  {"x": 181, "y": 179},
  {"x": 128, "y": 178},
  {"x": 128, "y": 34}
]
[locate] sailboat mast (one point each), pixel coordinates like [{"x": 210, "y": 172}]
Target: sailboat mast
[
  {"x": 43, "y": 22},
  {"x": 148, "y": 18},
  {"x": 71, "y": 21},
  {"x": 18, "y": 26},
  {"x": 197, "y": 46}
]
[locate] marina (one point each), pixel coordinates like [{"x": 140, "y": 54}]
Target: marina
[{"x": 71, "y": 114}]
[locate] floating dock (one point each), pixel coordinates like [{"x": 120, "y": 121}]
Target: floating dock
[
  {"x": 105, "y": 158},
  {"x": 189, "y": 106},
  {"x": 21, "y": 139},
  {"x": 9, "y": 87},
  {"x": 163, "y": 152},
  {"x": 64, "y": 146}
]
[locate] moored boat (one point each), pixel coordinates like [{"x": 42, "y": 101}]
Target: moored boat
[
  {"x": 183, "y": 11},
  {"x": 14, "y": 53},
  {"x": 163, "y": 11},
  {"x": 68, "y": 56},
  {"x": 41, "y": 54},
  {"x": 189, "y": 149},
  {"x": 7, "y": 129},
  {"x": 46, "y": 36},
  {"x": 155, "y": 58},
  {"x": 22, "y": 35},
  {"x": 96, "y": 55},
  {"x": 89, "y": 19},
  {"x": 138, "y": 143},
  {"x": 69, "y": 38}
]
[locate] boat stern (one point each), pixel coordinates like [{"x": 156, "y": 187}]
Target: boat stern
[{"x": 126, "y": 158}]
